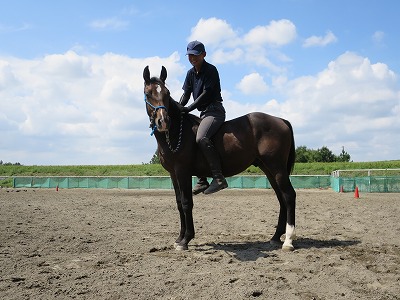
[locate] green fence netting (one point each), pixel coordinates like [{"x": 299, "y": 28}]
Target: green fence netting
[
  {"x": 369, "y": 184},
  {"x": 158, "y": 182}
]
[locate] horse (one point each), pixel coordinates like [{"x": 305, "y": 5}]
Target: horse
[{"x": 253, "y": 139}]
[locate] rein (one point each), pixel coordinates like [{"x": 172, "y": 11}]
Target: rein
[{"x": 153, "y": 126}]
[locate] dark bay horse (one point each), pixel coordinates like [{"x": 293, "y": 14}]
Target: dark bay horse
[{"x": 253, "y": 139}]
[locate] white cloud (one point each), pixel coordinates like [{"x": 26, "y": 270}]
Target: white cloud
[
  {"x": 109, "y": 24},
  {"x": 258, "y": 46},
  {"x": 352, "y": 103},
  {"x": 221, "y": 57},
  {"x": 213, "y": 32},
  {"x": 252, "y": 84},
  {"x": 320, "y": 41},
  {"x": 12, "y": 29},
  {"x": 276, "y": 33},
  {"x": 88, "y": 109},
  {"x": 378, "y": 37},
  {"x": 76, "y": 109}
]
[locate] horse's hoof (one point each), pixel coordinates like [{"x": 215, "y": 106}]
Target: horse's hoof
[
  {"x": 287, "y": 248},
  {"x": 181, "y": 247}
]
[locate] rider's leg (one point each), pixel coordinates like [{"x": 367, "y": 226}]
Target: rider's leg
[
  {"x": 209, "y": 125},
  {"x": 201, "y": 185},
  {"x": 219, "y": 182}
]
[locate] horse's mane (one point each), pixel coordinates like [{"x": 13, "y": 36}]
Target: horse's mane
[
  {"x": 157, "y": 80},
  {"x": 173, "y": 105}
]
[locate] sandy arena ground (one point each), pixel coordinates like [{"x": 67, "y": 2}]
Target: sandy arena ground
[{"x": 117, "y": 244}]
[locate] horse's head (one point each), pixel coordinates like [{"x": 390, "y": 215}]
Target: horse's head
[{"x": 157, "y": 98}]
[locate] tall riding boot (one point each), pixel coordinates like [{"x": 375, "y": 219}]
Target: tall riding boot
[
  {"x": 201, "y": 185},
  {"x": 219, "y": 182}
]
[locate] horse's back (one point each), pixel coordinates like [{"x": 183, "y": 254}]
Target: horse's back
[
  {"x": 271, "y": 133},
  {"x": 247, "y": 140},
  {"x": 253, "y": 117},
  {"x": 252, "y": 126},
  {"x": 255, "y": 136},
  {"x": 258, "y": 123}
]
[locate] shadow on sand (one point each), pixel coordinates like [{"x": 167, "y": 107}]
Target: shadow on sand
[{"x": 251, "y": 251}]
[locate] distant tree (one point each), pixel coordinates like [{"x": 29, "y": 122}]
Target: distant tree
[
  {"x": 304, "y": 155},
  {"x": 155, "y": 159},
  {"x": 325, "y": 155},
  {"x": 343, "y": 156},
  {"x": 9, "y": 163}
]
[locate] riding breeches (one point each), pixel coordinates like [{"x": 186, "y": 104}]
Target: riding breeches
[{"x": 211, "y": 120}]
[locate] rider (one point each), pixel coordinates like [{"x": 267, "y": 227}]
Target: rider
[{"x": 203, "y": 82}]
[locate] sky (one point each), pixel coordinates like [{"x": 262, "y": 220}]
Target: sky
[{"x": 71, "y": 73}]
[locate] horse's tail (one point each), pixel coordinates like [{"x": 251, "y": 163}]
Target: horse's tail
[{"x": 292, "y": 153}]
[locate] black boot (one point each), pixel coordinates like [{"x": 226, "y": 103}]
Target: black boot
[
  {"x": 201, "y": 186},
  {"x": 219, "y": 182}
]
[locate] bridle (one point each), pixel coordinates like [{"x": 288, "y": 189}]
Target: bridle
[{"x": 153, "y": 124}]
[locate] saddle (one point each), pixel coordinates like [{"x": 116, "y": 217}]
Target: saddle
[{"x": 195, "y": 120}]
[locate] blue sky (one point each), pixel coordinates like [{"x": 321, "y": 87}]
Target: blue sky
[{"x": 71, "y": 86}]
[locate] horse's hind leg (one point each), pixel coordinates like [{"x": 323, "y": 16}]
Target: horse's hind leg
[
  {"x": 281, "y": 227},
  {"x": 286, "y": 195}
]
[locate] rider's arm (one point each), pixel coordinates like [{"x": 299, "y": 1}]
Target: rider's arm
[
  {"x": 185, "y": 98},
  {"x": 199, "y": 101}
]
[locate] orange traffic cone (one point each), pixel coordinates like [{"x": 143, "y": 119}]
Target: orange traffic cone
[
  {"x": 341, "y": 189},
  {"x": 356, "y": 193}
]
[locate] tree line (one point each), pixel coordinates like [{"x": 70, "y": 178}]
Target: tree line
[
  {"x": 9, "y": 164},
  {"x": 303, "y": 155}
]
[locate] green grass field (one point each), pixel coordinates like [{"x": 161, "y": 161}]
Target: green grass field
[{"x": 6, "y": 171}]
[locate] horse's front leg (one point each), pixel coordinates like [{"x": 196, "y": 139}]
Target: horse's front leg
[
  {"x": 182, "y": 221},
  {"x": 184, "y": 201}
]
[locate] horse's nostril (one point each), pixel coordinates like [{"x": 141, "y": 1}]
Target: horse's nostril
[{"x": 160, "y": 122}]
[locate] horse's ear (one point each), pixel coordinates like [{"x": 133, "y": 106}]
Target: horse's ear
[
  {"x": 146, "y": 74},
  {"x": 163, "y": 75}
]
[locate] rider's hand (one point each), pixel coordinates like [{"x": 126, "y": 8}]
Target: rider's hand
[{"x": 183, "y": 109}]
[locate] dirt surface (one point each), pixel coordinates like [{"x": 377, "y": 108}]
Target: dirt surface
[{"x": 118, "y": 244}]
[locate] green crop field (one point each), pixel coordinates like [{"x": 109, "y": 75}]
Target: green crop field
[{"x": 7, "y": 171}]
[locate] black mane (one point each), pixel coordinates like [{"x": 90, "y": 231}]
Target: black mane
[{"x": 156, "y": 80}]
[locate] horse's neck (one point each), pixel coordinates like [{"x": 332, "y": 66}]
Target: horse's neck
[
  {"x": 175, "y": 118},
  {"x": 175, "y": 125}
]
